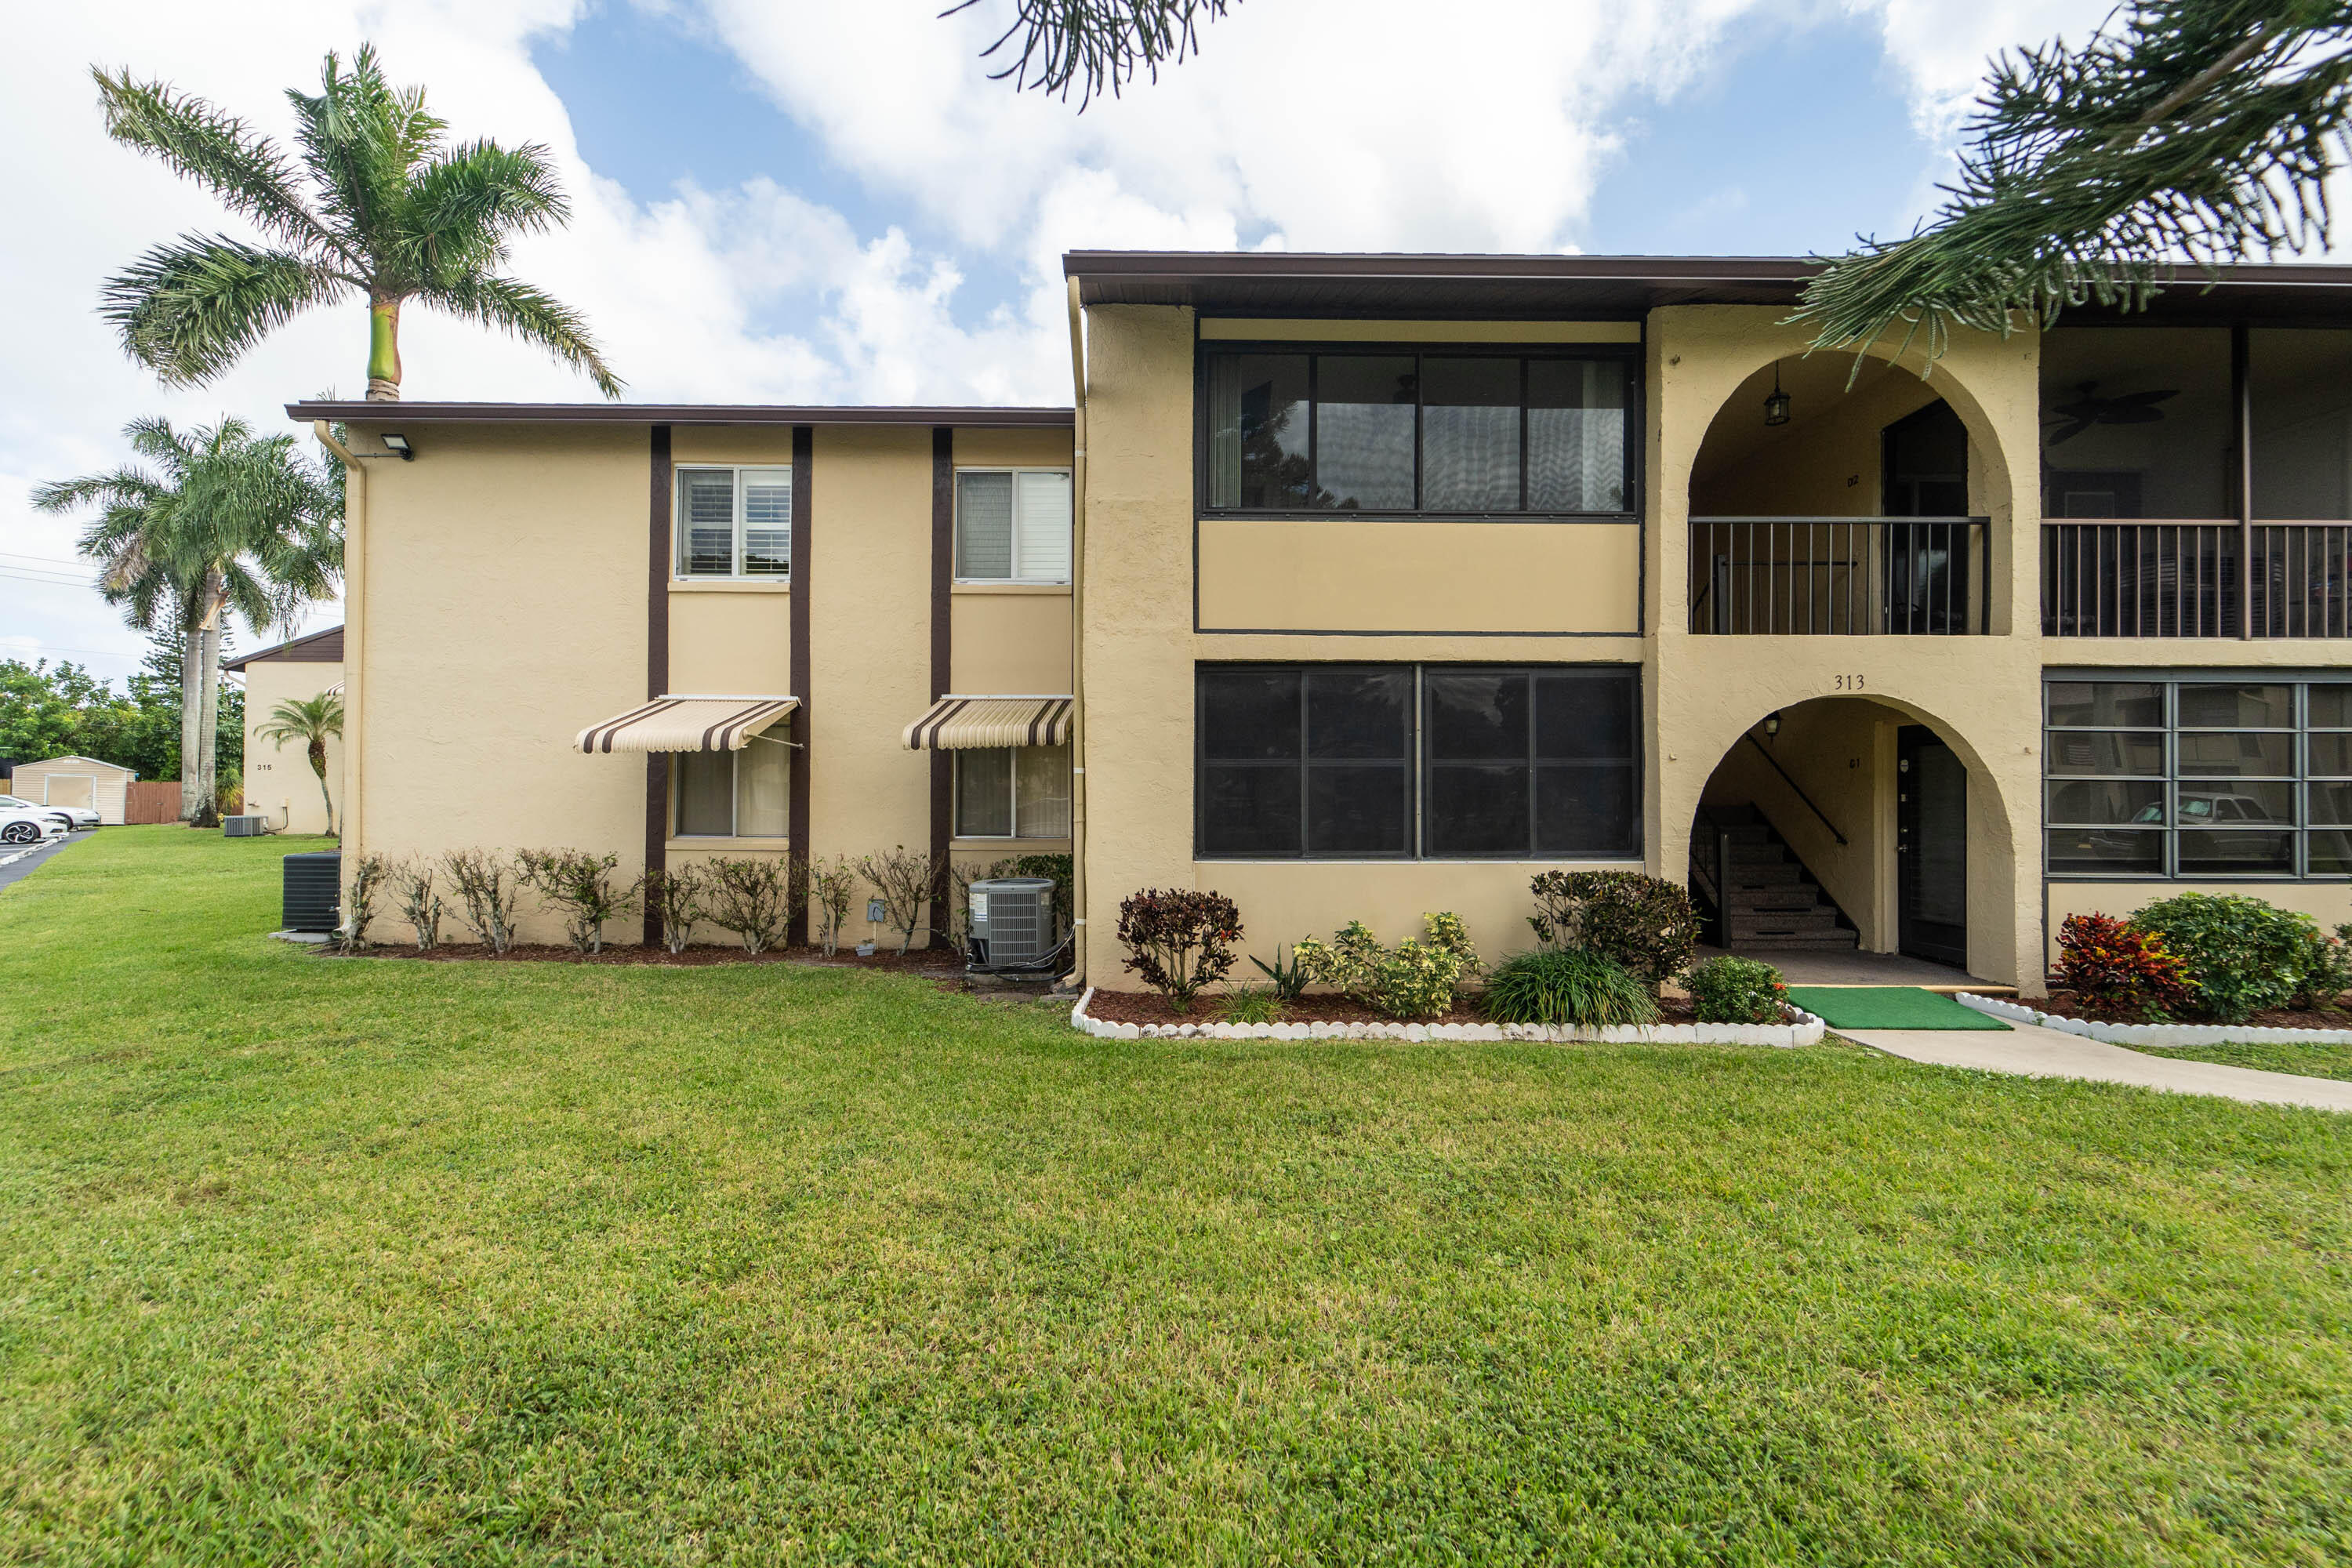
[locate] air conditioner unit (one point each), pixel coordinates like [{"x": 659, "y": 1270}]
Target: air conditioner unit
[
  {"x": 1012, "y": 927},
  {"x": 251, "y": 825}
]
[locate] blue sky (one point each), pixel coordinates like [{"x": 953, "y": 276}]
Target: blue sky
[{"x": 813, "y": 201}]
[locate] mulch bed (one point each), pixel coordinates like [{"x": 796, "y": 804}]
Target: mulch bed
[
  {"x": 927, "y": 963},
  {"x": 1151, "y": 1007},
  {"x": 2065, "y": 1005}
]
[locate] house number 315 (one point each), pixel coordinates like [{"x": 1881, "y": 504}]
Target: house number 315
[{"x": 1848, "y": 683}]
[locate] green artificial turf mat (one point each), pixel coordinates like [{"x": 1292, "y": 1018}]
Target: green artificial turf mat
[{"x": 1887, "y": 1007}]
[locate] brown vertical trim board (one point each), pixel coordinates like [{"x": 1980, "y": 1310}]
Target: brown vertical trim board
[
  {"x": 657, "y": 666},
  {"x": 943, "y": 659},
  {"x": 796, "y": 809}
]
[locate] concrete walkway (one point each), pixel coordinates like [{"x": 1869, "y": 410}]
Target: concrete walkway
[{"x": 2032, "y": 1051}]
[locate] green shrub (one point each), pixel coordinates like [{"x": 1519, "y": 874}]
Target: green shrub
[
  {"x": 1730, "y": 990},
  {"x": 1254, "y": 1005},
  {"x": 1412, "y": 979},
  {"x": 2326, "y": 969},
  {"x": 1289, "y": 976},
  {"x": 1567, "y": 987},
  {"x": 1644, "y": 924},
  {"x": 2243, "y": 956}
]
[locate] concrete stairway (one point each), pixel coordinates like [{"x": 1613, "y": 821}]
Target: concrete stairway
[{"x": 1773, "y": 904}]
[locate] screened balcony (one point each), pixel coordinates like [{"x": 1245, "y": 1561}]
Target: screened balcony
[{"x": 2197, "y": 482}]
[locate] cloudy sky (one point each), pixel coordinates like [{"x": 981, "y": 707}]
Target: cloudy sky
[{"x": 813, "y": 201}]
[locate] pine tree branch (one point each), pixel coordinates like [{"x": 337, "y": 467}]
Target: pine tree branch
[
  {"x": 1099, "y": 44},
  {"x": 2185, "y": 134}
]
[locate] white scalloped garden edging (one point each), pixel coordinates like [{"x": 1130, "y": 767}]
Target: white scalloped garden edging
[
  {"x": 2153, "y": 1033},
  {"x": 1806, "y": 1031}
]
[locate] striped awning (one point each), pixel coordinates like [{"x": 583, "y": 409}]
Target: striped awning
[
  {"x": 970, "y": 723},
  {"x": 687, "y": 724}
]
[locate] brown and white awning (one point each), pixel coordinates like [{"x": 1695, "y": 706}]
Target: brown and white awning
[
  {"x": 687, "y": 724},
  {"x": 973, "y": 724}
]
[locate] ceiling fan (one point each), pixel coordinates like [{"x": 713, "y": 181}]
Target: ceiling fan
[{"x": 2087, "y": 409}]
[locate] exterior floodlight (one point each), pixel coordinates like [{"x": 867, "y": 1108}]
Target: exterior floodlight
[{"x": 399, "y": 444}]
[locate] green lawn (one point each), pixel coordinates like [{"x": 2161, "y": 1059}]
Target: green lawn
[
  {"x": 315, "y": 1260},
  {"x": 2310, "y": 1061}
]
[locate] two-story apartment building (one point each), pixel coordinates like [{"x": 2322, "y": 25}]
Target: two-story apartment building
[{"x": 1360, "y": 586}]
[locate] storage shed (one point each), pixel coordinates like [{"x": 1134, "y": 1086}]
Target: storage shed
[{"x": 74, "y": 781}]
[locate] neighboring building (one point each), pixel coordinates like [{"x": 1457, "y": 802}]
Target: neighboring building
[
  {"x": 74, "y": 781},
  {"x": 279, "y": 780},
  {"x": 1391, "y": 580}
]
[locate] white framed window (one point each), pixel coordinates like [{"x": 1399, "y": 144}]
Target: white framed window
[
  {"x": 1013, "y": 526},
  {"x": 732, "y": 795},
  {"x": 1013, "y": 792},
  {"x": 734, "y": 522}
]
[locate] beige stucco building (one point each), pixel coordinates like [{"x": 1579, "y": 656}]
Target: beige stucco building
[
  {"x": 279, "y": 782},
  {"x": 1360, "y": 587}
]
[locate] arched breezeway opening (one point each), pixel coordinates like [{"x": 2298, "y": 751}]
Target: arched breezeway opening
[
  {"x": 1857, "y": 839},
  {"x": 1830, "y": 501}
]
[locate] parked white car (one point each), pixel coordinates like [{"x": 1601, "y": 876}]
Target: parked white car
[
  {"x": 21, "y": 825},
  {"x": 73, "y": 816}
]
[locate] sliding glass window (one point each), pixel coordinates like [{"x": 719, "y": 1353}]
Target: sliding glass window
[
  {"x": 1452, "y": 433},
  {"x": 2198, "y": 779}
]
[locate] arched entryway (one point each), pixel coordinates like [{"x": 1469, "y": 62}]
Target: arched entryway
[
  {"x": 1828, "y": 500},
  {"x": 1839, "y": 827}
]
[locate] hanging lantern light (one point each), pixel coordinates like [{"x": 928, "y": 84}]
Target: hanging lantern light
[{"x": 1776, "y": 407}]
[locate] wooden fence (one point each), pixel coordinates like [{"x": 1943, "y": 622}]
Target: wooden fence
[{"x": 155, "y": 801}]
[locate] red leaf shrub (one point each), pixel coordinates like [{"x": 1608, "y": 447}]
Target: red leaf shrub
[
  {"x": 2119, "y": 973},
  {"x": 1178, "y": 939}
]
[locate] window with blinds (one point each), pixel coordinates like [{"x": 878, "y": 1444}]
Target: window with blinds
[
  {"x": 732, "y": 794},
  {"x": 1013, "y": 793},
  {"x": 734, "y": 522},
  {"x": 1013, "y": 526}
]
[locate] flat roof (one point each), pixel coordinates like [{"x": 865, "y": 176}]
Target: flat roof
[
  {"x": 351, "y": 412},
  {"x": 1296, "y": 283}
]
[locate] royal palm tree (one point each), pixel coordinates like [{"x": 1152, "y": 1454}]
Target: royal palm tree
[
  {"x": 312, "y": 722},
  {"x": 382, "y": 210},
  {"x": 223, "y": 521}
]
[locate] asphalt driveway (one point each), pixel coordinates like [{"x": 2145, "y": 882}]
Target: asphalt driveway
[{"x": 16, "y": 863}]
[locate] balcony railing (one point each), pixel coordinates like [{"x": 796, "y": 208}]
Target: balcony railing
[
  {"x": 1840, "y": 576},
  {"x": 2164, "y": 578}
]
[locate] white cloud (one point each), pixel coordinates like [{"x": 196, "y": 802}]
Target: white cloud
[{"x": 1304, "y": 124}]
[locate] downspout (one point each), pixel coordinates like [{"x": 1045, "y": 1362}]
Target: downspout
[
  {"x": 1077, "y": 641},
  {"x": 354, "y": 627}
]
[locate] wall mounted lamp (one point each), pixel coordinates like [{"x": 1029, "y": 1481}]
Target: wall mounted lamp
[
  {"x": 1771, "y": 723},
  {"x": 399, "y": 444}
]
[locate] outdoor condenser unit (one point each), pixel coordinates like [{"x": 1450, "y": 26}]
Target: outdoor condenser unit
[
  {"x": 313, "y": 889},
  {"x": 245, "y": 826},
  {"x": 1012, "y": 925}
]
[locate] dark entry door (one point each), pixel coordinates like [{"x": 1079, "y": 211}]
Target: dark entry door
[
  {"x": 1923, "y": 459},
  {"x": 1931, "y": 821}
]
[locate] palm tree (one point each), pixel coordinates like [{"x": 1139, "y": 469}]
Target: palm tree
[
  {"x": 391, "y": 213},
  {"x": 311, "y": 722},
  {"x": 224, "y": 522}
]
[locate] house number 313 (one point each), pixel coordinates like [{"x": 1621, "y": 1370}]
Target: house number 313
[{"x": 1848, "y": 683}]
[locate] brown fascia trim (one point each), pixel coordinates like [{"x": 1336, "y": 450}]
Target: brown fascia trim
[
  {"x": 671, "y": 414},
  {"x": 1105, "y": 275},
  {"x": 1289, "y": 266},
  {"x": 1178, "y": 265}
]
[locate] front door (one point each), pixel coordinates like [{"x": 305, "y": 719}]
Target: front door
[{"x": 1931, "y": 823}]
